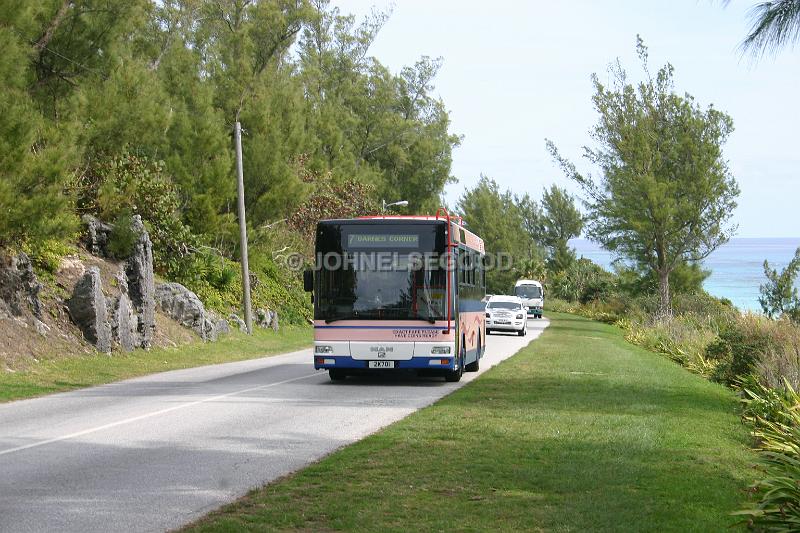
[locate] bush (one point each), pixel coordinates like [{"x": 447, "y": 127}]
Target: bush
[
  {"x": 609, "y": 312},
  {"x": 756, "y": 344},
  {"x": 47, "y": 254},
  {"x": 680, "y": 338},
  {"x": 583, "y": 281},
  {"x": 122, "y": 238}
]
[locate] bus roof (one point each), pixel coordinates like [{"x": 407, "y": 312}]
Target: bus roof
[{"x": 458, "y": 233}]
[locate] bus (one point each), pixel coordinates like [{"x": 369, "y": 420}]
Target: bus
[{"x": 395, "y": 293}]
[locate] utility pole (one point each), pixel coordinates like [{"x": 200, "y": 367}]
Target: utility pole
[{"x": 248, "y": 310}]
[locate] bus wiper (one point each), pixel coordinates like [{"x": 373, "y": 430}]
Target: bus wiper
[
  {"x": 338, "y": 318},
  {"x": 429, "y": 318}
]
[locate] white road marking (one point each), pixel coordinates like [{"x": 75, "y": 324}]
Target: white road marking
[{"x": 149, "y": 415}]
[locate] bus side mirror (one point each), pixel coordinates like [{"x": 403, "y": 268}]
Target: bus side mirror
[{"x": 308, "y": 280}]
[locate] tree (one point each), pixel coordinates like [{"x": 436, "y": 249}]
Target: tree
[
  {"x": 531, "y": 215},
  {"x": 35, "y": 155},
  {"x": 665, "y": 194},
  {"x": 775, "y": 24},
  {"x": 369, "y": 124},
  {"x": 779, "y": 295},
  {"x": 495, "y": 216},
  {"x": 87, "y": 84},
  {"x": 561, "y": 222}
]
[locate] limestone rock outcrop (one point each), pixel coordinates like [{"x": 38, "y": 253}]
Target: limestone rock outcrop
[
  {"x": 19, "y": 287},
  {"x": 124, "y": 322},
  {"x": 97, "y": 235},
  {"x": 183, "y": 306},
  {"x": 87, "y": 307},
  {"x": 266, "y": 318},
  {"x": 141, "y": 284}
]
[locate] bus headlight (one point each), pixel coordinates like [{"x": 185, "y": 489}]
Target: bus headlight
[
  {"x": 440, "y": 350},
  {"x": 322, "y": 349}
]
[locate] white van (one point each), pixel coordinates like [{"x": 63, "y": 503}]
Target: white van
[{"x": 532, "y": 295}]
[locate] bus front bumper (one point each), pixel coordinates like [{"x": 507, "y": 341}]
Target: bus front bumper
[{"x": 416, "y": 363}]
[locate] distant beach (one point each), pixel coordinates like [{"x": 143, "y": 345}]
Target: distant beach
[{"x": 736, "y": 268}]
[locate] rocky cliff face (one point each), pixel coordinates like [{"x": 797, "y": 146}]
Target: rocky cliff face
[{"x": 99, "y": 301}]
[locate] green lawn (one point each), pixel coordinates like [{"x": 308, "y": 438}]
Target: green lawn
[
  {"x": 580, "y": 431},
  {"x": 83, "y": 371}
]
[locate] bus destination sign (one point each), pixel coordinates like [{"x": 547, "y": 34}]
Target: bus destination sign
[{"x": 382, "y": 240}]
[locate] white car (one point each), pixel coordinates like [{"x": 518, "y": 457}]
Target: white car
[{"x": 506, "y": 313}]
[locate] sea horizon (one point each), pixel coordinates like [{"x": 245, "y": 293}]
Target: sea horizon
[{"x": 736, "y": 267}]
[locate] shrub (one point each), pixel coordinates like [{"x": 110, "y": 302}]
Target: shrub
[
  {"x": 46, "y": 254},
  {"x": 756, "y": 344},
  {"x": 678, "y": 337},
  {"x": 122, "y": 238},
  {"x": 583, "y": 281},
  {"x": 333, "y": 200}
]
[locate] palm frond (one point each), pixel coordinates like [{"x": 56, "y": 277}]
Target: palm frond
[{"x": 776, "y": 24}]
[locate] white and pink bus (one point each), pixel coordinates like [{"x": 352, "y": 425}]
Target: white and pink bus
[{"x": 398, "y": 293}]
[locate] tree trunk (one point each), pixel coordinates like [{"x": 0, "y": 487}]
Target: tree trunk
[
  {"x": 44, "y": 40},
  {"x": 665, "y": 304}
]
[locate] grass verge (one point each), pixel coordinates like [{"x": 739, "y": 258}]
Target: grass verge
[
  {"x": 580, "y": 431},
  {"x": 65, "y": 374}
]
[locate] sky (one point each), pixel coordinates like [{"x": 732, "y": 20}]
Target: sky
[{"x": 518, "y": 72}]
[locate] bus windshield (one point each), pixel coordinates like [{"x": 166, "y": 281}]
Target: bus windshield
[
  {"x": 374, "y": 272},
  {"x": 528, "y": 291}
]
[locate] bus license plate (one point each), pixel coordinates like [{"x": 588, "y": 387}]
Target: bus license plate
[{"x": 381, "y": 364}]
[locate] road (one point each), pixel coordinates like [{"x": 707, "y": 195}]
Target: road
[{"x": 157, "y": 452}]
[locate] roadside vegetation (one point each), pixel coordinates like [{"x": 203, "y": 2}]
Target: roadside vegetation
[
  {"x": 64, "y": 374},
  {"x": 660, "y": 197},
  {"x": 580, "y": 431}
]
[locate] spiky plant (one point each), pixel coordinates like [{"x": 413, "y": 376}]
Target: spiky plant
[{"x": 776, "y": 416}]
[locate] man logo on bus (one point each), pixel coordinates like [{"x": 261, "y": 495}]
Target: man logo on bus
[{"x": 381, "y": 350}]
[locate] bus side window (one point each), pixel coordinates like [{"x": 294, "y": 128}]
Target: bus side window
[{"x": 473, "y": 269}]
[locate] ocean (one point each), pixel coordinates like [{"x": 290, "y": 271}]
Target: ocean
[{"x": 736, "y": 267}]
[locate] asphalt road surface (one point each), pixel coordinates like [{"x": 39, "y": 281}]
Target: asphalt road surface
[{"x": 154, "y": 453}]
